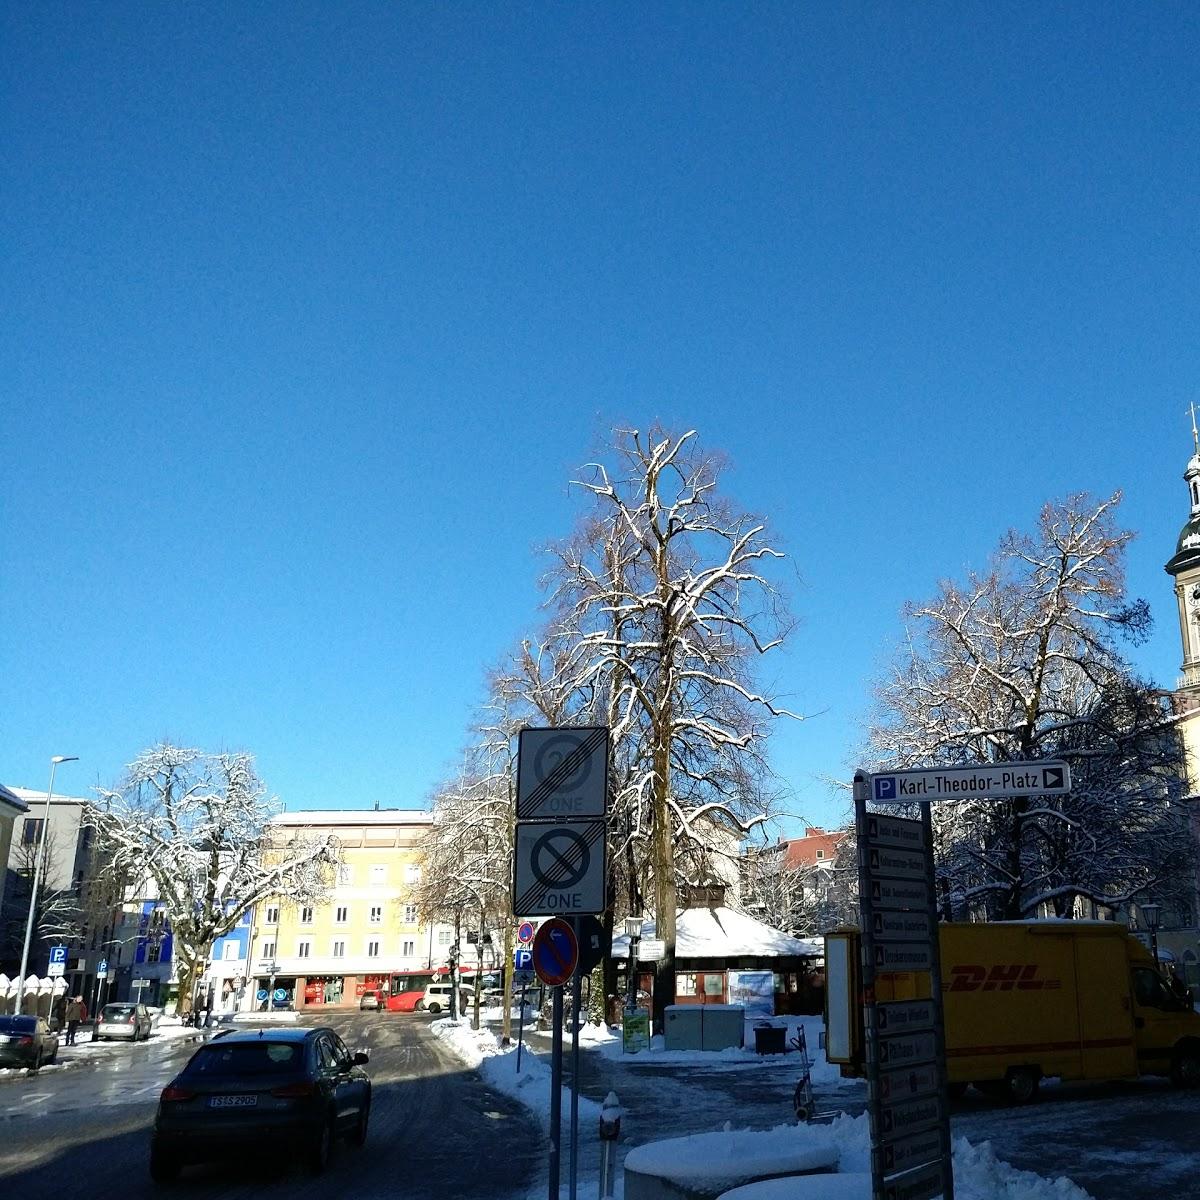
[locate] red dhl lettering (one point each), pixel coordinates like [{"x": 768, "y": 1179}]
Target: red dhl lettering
[{"x": 1002, "y": 977}]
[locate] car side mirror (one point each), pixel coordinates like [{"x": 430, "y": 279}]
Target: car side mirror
[{"x": 361, "y": 1058}]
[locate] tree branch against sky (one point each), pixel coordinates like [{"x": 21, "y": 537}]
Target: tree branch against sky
[
  {"x": 195, "y": 829},
  {"x": 1021, "y": 662},
  {"x": 666, "y": 605}
]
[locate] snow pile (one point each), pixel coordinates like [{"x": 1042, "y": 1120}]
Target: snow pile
[
  {"x": 715, "y": 1162},
  {"x": 497, "y": 1065},
  {"x": 823, "y": 1074},
  {"x": 724, "y": 933}
]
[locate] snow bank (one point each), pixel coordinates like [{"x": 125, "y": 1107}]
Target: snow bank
[{"x": 497, "y": 1065}]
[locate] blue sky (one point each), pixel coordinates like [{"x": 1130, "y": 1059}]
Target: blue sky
[{"x": 312, "y": 311}]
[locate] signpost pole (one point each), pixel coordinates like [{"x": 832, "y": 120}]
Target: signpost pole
[
  {"x": 521, "y": 1028},
  {"x": 939, "y": 1027},
  {"x": 556, "y": 1019},
  {"x": 576, "y": 996}
]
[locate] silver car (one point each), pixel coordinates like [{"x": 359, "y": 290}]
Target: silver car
[{"x": 128, "y": 1021}]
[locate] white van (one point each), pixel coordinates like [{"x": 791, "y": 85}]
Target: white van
[{"x": 437, "y": 998}]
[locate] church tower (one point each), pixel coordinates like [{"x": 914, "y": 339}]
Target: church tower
[{"x": 1185, "y": 567}]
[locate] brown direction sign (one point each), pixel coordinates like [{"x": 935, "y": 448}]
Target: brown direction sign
[
  {"x": 903, "y": 956},
  {"x": 904, "y": 1016},
  {"x": 895, "y": 831},
  {"x": 912, "y": 1116},
  {"x": 901, "y": 926},
  {"x": 924, "y": 1183},
  {"x": 900, "y": 893},
  {"x": 896, "y": 864},
  {"x": 910, "y": 1151},
  {"x": 908, "y": 1083},
  {"x": 907, "y": 1049}
]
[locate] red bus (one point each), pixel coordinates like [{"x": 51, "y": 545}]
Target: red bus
[{"x": 406, "y": 988}]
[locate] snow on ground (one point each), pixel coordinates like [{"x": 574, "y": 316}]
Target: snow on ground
[
  {"x": 497, "y": 1066},
  {"x": 978, "y": 1173},
  {"x": 85, "y": 1049}
]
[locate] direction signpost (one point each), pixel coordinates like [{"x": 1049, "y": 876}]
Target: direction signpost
[
  {"x": 559, "y": 870},
  {"x": 905, "y": 1039}
]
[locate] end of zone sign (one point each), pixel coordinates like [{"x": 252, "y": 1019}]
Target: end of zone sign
[
  {"x": 562, "y": 773},
  {"x": 559, "y": 868}
]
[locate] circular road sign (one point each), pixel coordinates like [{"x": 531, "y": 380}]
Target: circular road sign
[
  {"x": 525, "y": 931},
  {"x": 563, "y": 758},
  {"x": 555, "y": 952},
  {"x": 560, "y": 859}
]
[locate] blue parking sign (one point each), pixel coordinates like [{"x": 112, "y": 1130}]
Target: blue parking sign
[{"x": 58, "y": 954}]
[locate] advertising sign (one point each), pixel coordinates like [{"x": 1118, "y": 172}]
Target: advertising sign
[
  {"x": 754, "y": 991},
  {"x": 635, "y": 1031}
]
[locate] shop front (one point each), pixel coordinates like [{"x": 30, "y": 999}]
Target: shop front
[
  {"x": 282, "y": 997},
  {"x": 322, "y": 990}
]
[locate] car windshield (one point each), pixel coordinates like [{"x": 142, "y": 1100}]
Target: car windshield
[
  {"x": 18, "y": 1024},
  {"x": 112, "y": 1011},
  {"x": 245, "y": 1058}
]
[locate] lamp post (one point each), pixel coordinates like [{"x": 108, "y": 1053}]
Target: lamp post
[
  {"x": 37, "y": 876},
  {"x": 1150, "y": 912},
  {"x": 633, "y": 930}
]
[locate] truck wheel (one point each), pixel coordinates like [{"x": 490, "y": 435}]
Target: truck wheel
[
  {"x": 1185, "y": 1067},
  {"x": 1021, "y": 1085}
]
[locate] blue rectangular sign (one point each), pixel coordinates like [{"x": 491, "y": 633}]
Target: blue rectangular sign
[{"x": 58, "y": 954}]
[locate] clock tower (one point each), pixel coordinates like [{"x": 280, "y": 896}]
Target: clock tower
[{"x": 1185, "y": 567}]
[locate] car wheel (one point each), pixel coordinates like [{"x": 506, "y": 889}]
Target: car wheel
[
  {"x": 419, "y": 1006},
  {"x": 164, "y": 1167},
  {"x": 358, "y": 1135},
  {"x": 37, "y": 1062},
  {"x": 54, "y": 1057},
  {"x": 1021, "y": 1085},
  {"x": 1185, "y": 1067},
  {"x": 434, "y": 1008},
  {"x": 321, "y": 1148}
]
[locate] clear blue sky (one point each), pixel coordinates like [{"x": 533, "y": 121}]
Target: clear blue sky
[{"x": 310, "y": 312}]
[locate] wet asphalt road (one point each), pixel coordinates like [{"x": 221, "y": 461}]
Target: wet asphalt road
[{"x": 436, "y": 1129}]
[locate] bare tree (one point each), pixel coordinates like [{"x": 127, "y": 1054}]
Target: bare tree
[
  {"x": 664, "y": 607},
  {"x": 804, "y": 900},
  {"x": 1021, "y": 662},
  {"x": 195, "y": 829}
]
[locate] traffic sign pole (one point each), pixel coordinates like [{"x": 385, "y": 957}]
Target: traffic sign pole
[{"x": 556, "y": 1011}]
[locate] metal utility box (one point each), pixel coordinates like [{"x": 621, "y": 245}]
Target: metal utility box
[
  {"x": 684, "y": 1026},
  {"x": 723, "y": 1026}
]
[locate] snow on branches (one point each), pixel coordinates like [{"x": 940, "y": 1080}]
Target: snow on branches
[
  {"x": 1021, "y": 662},
  {"x": 194, "y": 830}
]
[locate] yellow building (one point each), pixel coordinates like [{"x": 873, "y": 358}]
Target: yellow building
[{"x": 365, "y": 934}]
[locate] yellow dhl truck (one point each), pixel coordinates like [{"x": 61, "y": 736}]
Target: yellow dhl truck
[{"x": 1028, "y": 1000}]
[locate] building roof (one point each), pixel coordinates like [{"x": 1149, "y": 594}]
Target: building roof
[
  {"x": 10, "y": 803},
  {"x": 32, "y": 797},
  {"x": 724, "y": 933},
  {"x": 354, "y": 816}
]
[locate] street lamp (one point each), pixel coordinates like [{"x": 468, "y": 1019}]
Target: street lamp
[
  {"x": 633, "y": 930},
  {"x": 1150, "y": 912},
  {"x": 43, "y": 833}
]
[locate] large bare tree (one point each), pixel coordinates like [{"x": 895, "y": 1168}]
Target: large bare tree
[
  {"x": 1021, "y": 662},
  {"x": 195, "y": 829},
  {"x": 664, "y": 603}
]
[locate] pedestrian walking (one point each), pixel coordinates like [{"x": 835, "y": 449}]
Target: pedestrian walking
[{"x": 75, "y": 1012}]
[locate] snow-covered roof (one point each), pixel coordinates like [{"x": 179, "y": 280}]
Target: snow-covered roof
[
  {"x": 11, "y": 801},
  {"x": 724, "y": 933},
  {"x": 354, "y": 816},
  {"x": 31, "y": 797}
]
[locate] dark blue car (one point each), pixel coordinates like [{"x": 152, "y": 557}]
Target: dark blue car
[{"x": 294, "y": 1089}]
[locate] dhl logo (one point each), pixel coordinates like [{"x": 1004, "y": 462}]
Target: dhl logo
[{"x": 968, "y": 977}]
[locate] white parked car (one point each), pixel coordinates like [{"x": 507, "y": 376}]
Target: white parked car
[{"x": 437, "y": 998}]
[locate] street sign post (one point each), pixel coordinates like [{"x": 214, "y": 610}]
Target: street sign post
[
  {"x": 560, "y": 868},
  {"x": 523, "y": 972},
  {"x": 962, "y": 783},
  {"x": 102, "y": 969},
  {"x": 58, "y": 961},
  {"x": 905, "y": 1039},
  {"x": 525, "y": 931}
]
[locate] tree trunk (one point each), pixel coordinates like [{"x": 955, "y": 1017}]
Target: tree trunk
[
  {"x": 1013, "y": 909},
  {"x": 506, "y": 966},
  {"x": 664, "y": 888}
]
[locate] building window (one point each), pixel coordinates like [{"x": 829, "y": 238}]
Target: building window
[
  {"x": 306, "y": 915},
  {"x": 341, "y": 914},
  {"x": 379, "y": 873},
  {"x": 31, "y": 831},
  {"x": 820, "y": 853},
  {"x": 409, "y": 949},
  {"x": 267, "y": 950},
  {"x": 272, "y": 914},
  {"x": 339, "y": 949},
  {"x": 230, "y": 951},
  {"x": 345, "y": 874},
  {"x": 410, "y": 914},
  {"x": 373, "y": 948},
  {"x": 445, "y": 937},
  {"x": 412, "y": 874},
  {"x": 303, "y": 949},
  {"x": 376, "y": 914}
]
